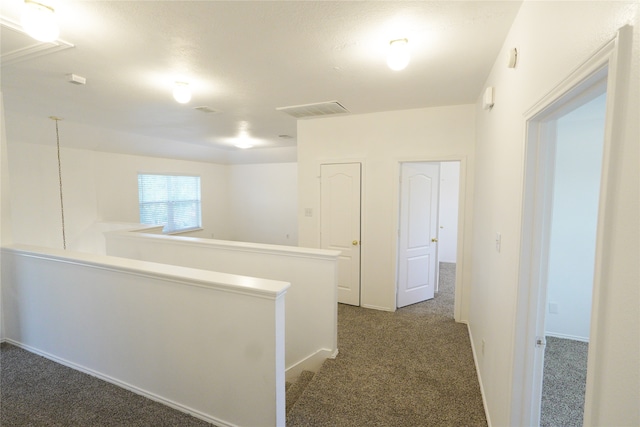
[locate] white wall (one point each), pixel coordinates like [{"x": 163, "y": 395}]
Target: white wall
[
  {"x": 117, "y": 188},
  {"x": 263, "y": 202},
  {"x": 553, "y": 38},
  {"x": 239, "y": 202},
  {"x": 97, "y": 187},
  {"x": 381, "y": 141},
  {"x": 5, "y": 207},
  {"x": 311, "y": 311},
  {"x": 572, "y": 246},
  {"x": 207, "y": 343},
  {"x": 448, "y": 211}
]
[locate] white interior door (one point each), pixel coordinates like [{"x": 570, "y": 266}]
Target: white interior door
[
  {"x": 340, "y": 224},
  {"x": 417, "y": 244}
]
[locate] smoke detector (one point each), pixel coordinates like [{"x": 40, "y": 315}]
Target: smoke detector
[{"x": 76, "y": 79}]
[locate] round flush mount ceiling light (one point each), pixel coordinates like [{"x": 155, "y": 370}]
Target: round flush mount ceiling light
[
  {"x": 244, "y": 144},
  {"x": 182, "y": 92},
  {"x": 399, "y": 55},
  {"x": 39, "y": 21},
  {"x": 244, "y": 140}
]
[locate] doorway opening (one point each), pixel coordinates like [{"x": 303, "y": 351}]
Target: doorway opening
[
  {"x": 566, "y": 168},
  {"x": 427, "y": 231},
  {"x": 576, "y": 143}
]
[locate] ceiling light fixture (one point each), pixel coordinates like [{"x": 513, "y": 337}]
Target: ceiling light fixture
[
  {"x": 244, "y": 140},
  {"x": 39, "y": 21},
  {"x": 399, "y": 56},
  {"x": 182, "y": 92},
  {"x": 244, "y": 144}
]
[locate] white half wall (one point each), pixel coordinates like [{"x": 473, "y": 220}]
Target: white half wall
[
  {"x": 207, "y": 343},
  {"x": 553, "y": 38},
  {"x": 311, "y": 323},
  {"x": 380, "y": 141}
]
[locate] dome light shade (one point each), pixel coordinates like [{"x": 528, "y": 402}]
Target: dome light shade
[
  {"x": 182, "y": 92},
  {"x": 39, "y": 21},
  {"x": 399, "y": 56},
  {"x": 244, "y": 144},
  {"x": 244, "y": 140}
]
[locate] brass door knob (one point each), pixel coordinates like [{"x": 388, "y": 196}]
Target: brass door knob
[
  {"x": 355, "y": 243},
  {"x": 434, "y": 240}
]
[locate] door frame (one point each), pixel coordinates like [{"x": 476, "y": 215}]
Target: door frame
[
  {"x": 461, "y": 250},
  {"x": 531, "y": 288},
  {"x": 344, "y": 161},
  {"x": 402, "y": 251}
]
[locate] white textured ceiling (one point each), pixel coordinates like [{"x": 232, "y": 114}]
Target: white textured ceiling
[{"x": 244, "y": 59}]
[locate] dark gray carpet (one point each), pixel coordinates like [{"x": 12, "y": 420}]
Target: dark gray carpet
[
  {"x": 563, "y": 384},
  {"x": 35, "y": 391},
  {"x": 413, "y": 367},
  {"x": 295, "y": 390}
]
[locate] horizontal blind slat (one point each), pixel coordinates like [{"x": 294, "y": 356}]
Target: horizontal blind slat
[{"x": 171, "y": 200}]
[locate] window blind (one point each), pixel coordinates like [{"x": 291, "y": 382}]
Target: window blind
[{"x": 170, "y": 200}]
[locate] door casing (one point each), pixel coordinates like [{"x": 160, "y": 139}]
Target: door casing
[
  {"x": 527, "y": 360},
  {"x": 347, "y": 239},
  {"x": 459, "y": 311}
]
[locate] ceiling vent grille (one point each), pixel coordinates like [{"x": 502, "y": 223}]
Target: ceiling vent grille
[
  {"x": 206, "y": 109},
  {"x": 314, "y": 110}
]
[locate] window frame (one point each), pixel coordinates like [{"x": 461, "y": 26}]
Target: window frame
[{"x": 170, "y": 203}]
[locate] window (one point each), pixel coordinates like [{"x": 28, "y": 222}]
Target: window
[{"x": 170, "y": 200}]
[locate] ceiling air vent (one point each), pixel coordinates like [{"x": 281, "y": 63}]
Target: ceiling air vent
[
  {"x": 314, "y": 110},
  {"x": 206, "y": 109}
]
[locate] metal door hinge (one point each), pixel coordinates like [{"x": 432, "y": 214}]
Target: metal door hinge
[{"x": 540, "y": 342}]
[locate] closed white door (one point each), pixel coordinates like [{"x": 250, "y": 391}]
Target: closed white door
[
  {"x": 340, "y": 224},
  {"x": 418, "y": 237}
]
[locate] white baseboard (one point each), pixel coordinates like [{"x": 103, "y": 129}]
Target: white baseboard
[
  {"x": 475, "y": 361},
  {"x": 375, "y": 307},
  {"x": 310, "y": 363},
  {"x": 136, "y": 390},
  {"x": 567, "y": 337}
]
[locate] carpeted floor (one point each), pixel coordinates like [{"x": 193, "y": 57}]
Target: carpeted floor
[
  {"x": 413, "y": 367},
  {"x": 35, "y": 391},
  {"x": 563, "y": 383},
  {"x": 409, "y": 368}
]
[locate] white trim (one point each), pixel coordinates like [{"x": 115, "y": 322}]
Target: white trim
[
  {"x": 363, "y": 242},
  {"x": 460, "y": 244},
  {"x": 245, "y": 285},
  {"x": 377, "y": 307},
  {"x": 475, "y": 361},
  {"x": 529, "y": 320},
  {"x": 593, "y": 64},
  {"x": 122, "y": 384},
  {"x": 228, "y": 245},
  {"x": 617, "y": 92},
  {"x": 184, "y": 230},
  {"x": 312, "y": 363}
]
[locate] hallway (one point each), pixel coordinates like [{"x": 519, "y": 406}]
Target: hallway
[{"x": 413, "y": 367}]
